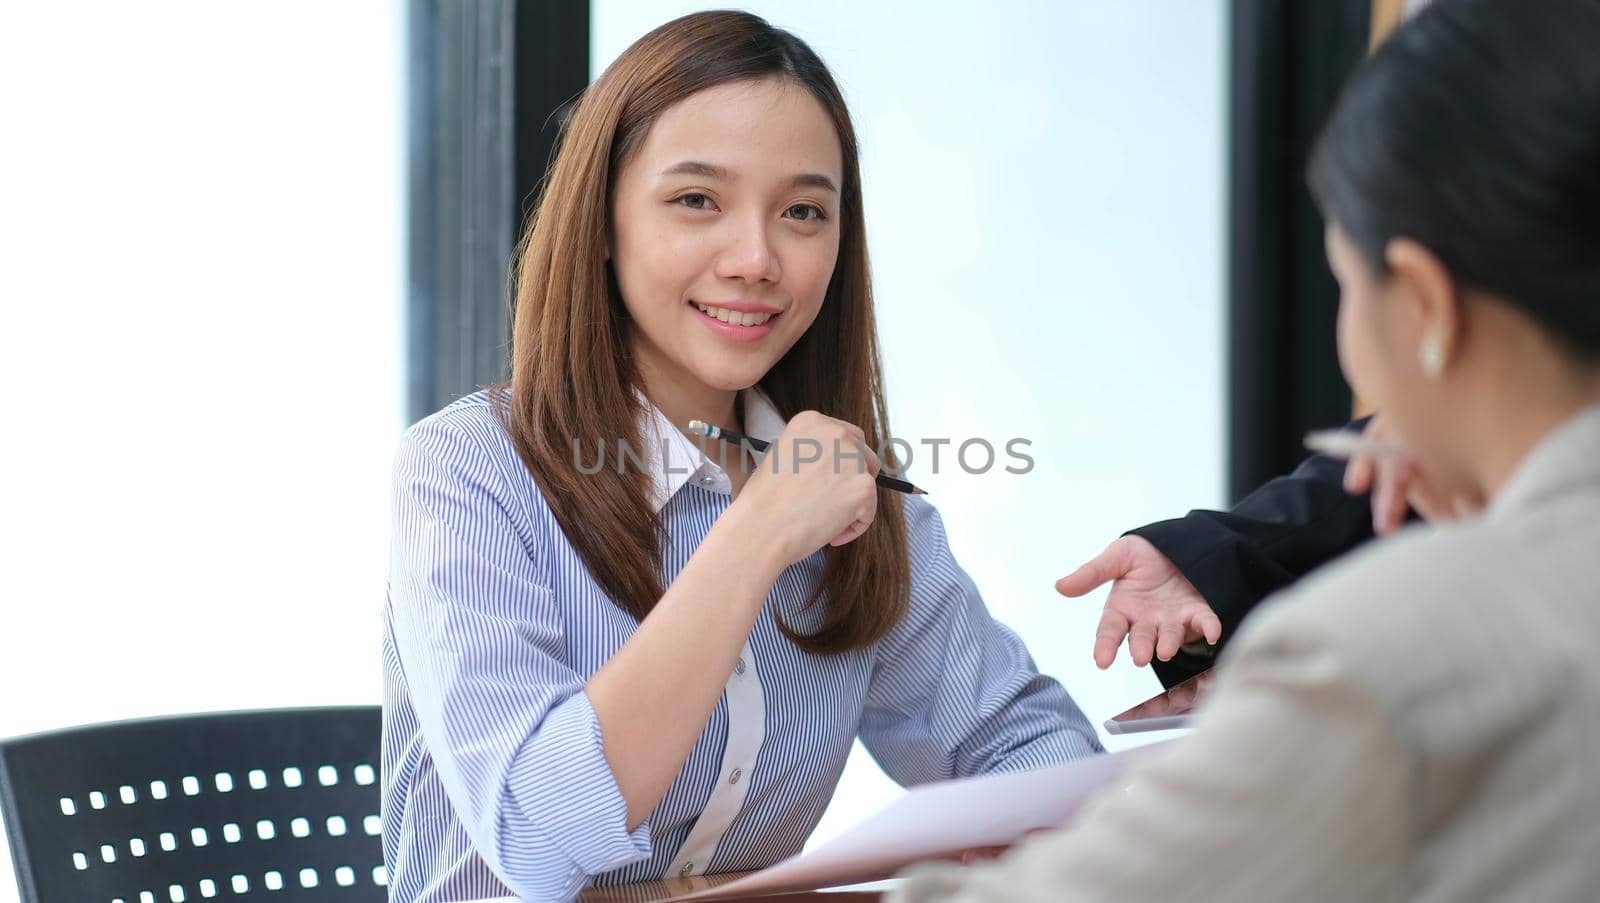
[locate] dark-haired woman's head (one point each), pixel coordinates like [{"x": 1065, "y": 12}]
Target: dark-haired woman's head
[{"x": 1460, "y": 179}]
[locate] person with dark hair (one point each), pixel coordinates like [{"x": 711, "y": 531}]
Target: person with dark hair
[
  {"x": 610, "y": 655},
  {"x": 1415, "y": 720}
]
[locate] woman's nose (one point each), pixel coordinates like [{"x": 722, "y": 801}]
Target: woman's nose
[{"x": 749, "y": 255}]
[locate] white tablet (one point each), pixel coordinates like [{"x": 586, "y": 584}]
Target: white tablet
[{"x": 1172, "y": 709}]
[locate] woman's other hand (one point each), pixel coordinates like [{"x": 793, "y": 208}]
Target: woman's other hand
[{"x": 1397, "y": 485}]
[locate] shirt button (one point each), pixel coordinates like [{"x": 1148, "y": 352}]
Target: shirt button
[
  {"x": 738, "y": 666},
  {"x": 687, "y": 868},
  {"x": 737, "y": 774}
]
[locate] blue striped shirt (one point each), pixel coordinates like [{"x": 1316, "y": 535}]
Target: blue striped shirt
[{"x": 494, "y": 776}]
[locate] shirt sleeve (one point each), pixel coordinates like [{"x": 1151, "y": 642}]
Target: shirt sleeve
[
  {"x": 1294, "y": 787},
  {"x": 513, "y": 737},
  {"x": 954, "y": 693}
]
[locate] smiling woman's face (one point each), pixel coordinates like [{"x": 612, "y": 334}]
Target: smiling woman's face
[{"x": 725, "y": 231}]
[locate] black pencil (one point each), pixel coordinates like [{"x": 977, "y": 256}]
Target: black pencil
[{"x": 711, "y": 431}]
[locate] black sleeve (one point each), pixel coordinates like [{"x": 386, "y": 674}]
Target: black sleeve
[{"x": 1279, "y": 533}]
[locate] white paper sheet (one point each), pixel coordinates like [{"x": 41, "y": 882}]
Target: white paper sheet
[{"x": 937, "y": 820}]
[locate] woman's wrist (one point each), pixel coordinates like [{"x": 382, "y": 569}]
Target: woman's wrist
[{"x": 744, "y": 544}]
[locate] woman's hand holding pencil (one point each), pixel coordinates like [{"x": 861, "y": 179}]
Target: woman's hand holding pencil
[
  {"x": 701, "y": 429},
  {"x": 824, "y": 496},
  {"x": 1382, "y": 466}
]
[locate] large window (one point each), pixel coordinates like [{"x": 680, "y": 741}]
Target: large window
[{"x": 201, "y": 355}]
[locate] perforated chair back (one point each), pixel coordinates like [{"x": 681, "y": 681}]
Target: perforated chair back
[{"x": 279, "y": 805}]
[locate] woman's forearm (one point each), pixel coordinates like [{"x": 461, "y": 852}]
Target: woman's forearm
[{"x": 654, "y": 696}]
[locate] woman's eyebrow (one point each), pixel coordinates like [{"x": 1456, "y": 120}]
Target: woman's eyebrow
[
  {"x": 814, "y": 180},
  {"x": 697, "y": 168},
  {"x": 721, "y": 174}
]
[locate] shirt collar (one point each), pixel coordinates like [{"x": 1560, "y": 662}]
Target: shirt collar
[{"x": 674, "y": 459}]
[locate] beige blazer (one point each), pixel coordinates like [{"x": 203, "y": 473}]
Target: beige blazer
[{"x": 1418, "y": 722}]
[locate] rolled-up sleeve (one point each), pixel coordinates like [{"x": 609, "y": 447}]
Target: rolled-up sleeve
[
  {"x": 479, "y": 635},
  {"x": 954, "y": 693}
]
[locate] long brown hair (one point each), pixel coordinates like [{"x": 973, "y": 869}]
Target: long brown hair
[{"x": 572, "y": 374}]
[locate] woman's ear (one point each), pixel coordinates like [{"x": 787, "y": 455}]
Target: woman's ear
[{"x": 1430, "y": 287}]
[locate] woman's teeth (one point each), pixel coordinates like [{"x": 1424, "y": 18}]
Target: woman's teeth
[{"x": 733, "y": 317}]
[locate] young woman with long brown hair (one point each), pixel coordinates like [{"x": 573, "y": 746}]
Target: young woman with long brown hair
[{"x": 608, "y": 657}]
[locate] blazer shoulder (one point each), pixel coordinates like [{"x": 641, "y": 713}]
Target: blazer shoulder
[{"x": 1431, "y": 609}]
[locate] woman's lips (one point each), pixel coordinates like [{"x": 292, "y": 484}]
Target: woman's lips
[{"x": 736, "y": 331}]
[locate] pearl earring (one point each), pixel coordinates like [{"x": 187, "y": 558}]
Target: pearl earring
[{"x": 1431, "y": 356}]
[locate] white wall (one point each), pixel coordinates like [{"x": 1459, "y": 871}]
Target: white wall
[
  {"x": 1044, "y": 188},
  {"x": 200, "y": 352}
]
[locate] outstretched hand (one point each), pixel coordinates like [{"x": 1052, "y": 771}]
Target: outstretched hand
[{"x": 1151, "y": 603}]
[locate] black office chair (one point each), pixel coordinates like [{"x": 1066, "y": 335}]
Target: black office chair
[{"x": 278, "y": 804}]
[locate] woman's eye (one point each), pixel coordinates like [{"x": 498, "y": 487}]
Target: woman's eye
[
  {"x": 695, "y": 201},
  {"x": 807, "y": 213}
]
